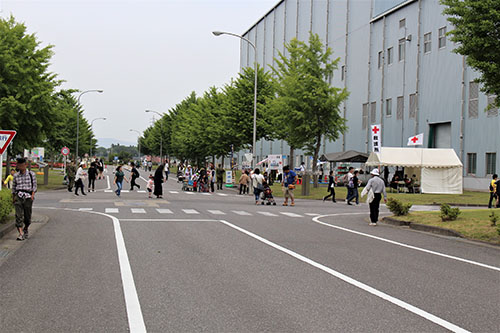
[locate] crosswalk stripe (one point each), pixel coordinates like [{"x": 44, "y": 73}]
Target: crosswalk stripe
[
  {"x": 112, "y": 210},
  {"x": 138, "y": 210},
  {"x": 173, "y": 192},
  {"x": 164, "y": 211},
  {"x": 187, "y": 192},
  {"x": 216, "y": 212},
  {"x": 124, "y": 191},
  {"x": 85, "y": 209},
  {"x": 108, "y": 191},
  {"x": 206, "y": 194},
  {"x": 267, "y": 214},
  {"x": 241, "y": 212},
  {"x": 222, "y": 194},
  {"x": 312, "y": 214},
  {"x": 190, "y": 211},
  {"x": 290, "y": 214},
  {"x": 141, "y": 191}
]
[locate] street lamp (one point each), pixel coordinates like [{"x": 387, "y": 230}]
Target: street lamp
[
  {"x": 161, "y": 133},
  {"x": 91, "y": 127},
  {"x": 78, "y": 116},
  {"x": 138, "y": 142},
  {"x": 219, "y": 33}
]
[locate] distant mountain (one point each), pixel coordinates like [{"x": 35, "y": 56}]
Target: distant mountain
[{"x": 106, "y": 142}]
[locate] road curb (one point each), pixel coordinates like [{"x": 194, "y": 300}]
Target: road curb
[
  {"x": 11, "y": 224},
  {"x": 423, "y": 227}
]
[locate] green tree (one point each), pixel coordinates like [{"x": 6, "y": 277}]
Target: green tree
[
  {"x": 307, "y": 108},
  {"x": 26, "y": 85},
  {"x": 477, "y": 32}
]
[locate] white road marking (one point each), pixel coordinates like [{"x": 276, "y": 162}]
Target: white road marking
[
  {"x": 85, "y": 209},
  {"x": 190, "y": 211},
  {"x": 312, "y": 214},
  {"x": 241, "y": 212},
  {"x": 169, "y": 220},
  {"x": 125, "y": 191},
  {"x": 109, "y": 185},
  {"x": 216, "y": 212},
  {"x": 316, "y": 219},
  {"x": 164, "y": 211},
  {"x": 358, "y": 284},
  {"x": 108, "y": 191},
  {"x": 291, "y": 214},
  {"x": 138, "y": 210},
  {"x": 187, "y": 192},
  {"x": 174, "y": 192},
  {"x": 222, "y": 194},
  {"x": 141, "y": 191},
  {"x": 267, "y": 214},
  {"x": 111, "y": 210},
  {"x": 205, "y": 193}
]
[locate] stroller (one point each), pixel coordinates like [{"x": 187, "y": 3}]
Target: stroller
[{"x": 268, "y": 195}]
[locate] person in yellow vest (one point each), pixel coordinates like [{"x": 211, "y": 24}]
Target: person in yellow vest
[
  {"x": 9, "y": 179},
  {"x": 493, "y": 189}
]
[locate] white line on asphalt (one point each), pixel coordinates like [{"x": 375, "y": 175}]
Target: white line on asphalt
[
  {"x": 138, "y": 210},
  {"x": 241, "y": 212},
  {"x": 206, "y": 194},
  {"x": 125, "y": 191},
  {"x": 169, "y": 220},
  {"x": 216, "y": 212},
  {"x": 222, "y": 194},
  {"x": 85, "y": 209},
  {"x": 141, "y": 191},
  {"x": 109, "y": 185},
  {"x": 187, "y": 192},
  {"x": 316, "y": 219},
  {"x": 173, "y": 192},
  {"x": 108, "y": 191},
  {"x": 291, "y": 214},
  {"x": 312, "y": 214},
  {"x": 111, "y": 210},
  {"x": 132, "y": 304},
  {"x": 367, "y": 288},
  {"x": 190, "y": 211},
  {"x": 164, "y": 211},
  {"x": 267, "y": 214}
]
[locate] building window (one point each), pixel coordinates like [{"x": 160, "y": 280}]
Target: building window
[
  {"x": 342, "y": 73},
  {"x": 373, "y": 112},
  {"x": 427, "y": 42},
  {"x": 471, "y": 163},
  {"x": 380, "y": 59},
  {"x": 492, "y": 110},
  {"x": 473, "y": 99},
  {"x": 442, "y": 37},
  {"x": 413, "y": 106},
  {"x": 491, "y": 163},
  {"x": 402, "y": 23},
  {"x": 365, "y": 116},
  {"x": 401, "y": 49},
  {"x": 400, "y": 107},
  {"x": 388, "y": 107},
  {"x": 389, "y": 55}
]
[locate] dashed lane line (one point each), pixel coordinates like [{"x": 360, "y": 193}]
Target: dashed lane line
[
  {"x": 216, "y": 212},
  {"x": 138, "y": 210},
  {"x": 241, "y": 212},
  {"x": 190, "y": 211},
  {"x": 267, "y": 214},
  {"x": 164, "y": 211},
  {"x": 111, "y": 210},
  {"x": 290, "y": 214}
]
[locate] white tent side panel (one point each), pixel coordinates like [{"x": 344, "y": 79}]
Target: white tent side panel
[{"x": 441, "y": 180}]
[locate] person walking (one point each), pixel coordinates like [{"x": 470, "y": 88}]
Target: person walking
[
  {"x": 8, "y": 180},
  {"x": 244, "y": 182},
  {"x": 219, "y": 172},
  {"x": 376, "y": 186},
  {"x": 119, "y": 177},
  {"x": 134, "y": 174},
  {"x": 353, "y": 185},
  {"x": 24, "y": 187},
  {"x": 258, "y": 181},
  {"x": 331, "y": 187},
  {"x": 212, "y": 177},
  {"x": 288, "y": 185},
  {"x": 150, "y": 185},
  {"x": 79, "y": 177},
  {"x": 346, "y": 180},
  {"x": 493, "y": 190},
  {"x": 167, "y": 170},
  {"x": 71, "y": 173},
  {"x": 158, "y": 180},
  {"x": 92, "y": 171},
  {"x": 498, "y": 192}
]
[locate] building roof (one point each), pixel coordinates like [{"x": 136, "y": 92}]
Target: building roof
[{"x": 263, "y": 17}]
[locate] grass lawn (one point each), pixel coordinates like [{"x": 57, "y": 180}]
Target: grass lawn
[
  {"x": 472, "y": 223},
  {"x": 55, "y": 180}
]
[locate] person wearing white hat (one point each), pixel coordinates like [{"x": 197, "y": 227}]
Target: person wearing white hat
[{"x": 377, "y": 186}]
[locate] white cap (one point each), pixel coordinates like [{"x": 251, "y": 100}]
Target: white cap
[{"x": 375, "y": 172}]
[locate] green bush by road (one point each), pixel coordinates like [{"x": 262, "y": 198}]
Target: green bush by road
[{"x": 6, "y": 205}]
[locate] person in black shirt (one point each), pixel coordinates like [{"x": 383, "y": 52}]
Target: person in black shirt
[
  {"x": 134, "y": 176},
  {"x": 92, "y": 172},
  {"x": 331, "y": 187},
  {"x": 353, "y": 185}
]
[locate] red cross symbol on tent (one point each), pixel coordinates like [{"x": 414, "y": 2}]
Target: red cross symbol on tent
[
  {"x": 414, "y": 139},
  {"x": 375, "y": 130}
]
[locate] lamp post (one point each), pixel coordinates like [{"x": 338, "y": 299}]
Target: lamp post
[
  {"x": 161, "y": 133},
  {"x": 78, "y": 116},
  {"x": 219, "y": 33},
  {"x": 138, "y": 142},
  {"x": 91, "y": 127}
]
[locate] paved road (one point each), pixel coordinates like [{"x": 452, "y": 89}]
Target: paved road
[{"x": 218, "y": 263}]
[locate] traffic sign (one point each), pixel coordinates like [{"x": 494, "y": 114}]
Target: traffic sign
[
  {"x": 5, "y": 139},
  {"x": 65, "y": 151}
]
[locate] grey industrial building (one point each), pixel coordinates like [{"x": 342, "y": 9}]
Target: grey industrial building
[{"x": 401, "y": 72}]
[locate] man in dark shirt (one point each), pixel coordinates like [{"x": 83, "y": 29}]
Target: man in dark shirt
[{"x": 23, "y": 193}]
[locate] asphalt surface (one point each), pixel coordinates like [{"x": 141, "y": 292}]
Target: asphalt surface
[{"x": 219, "y": 263}]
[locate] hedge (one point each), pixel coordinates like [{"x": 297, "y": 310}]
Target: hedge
[{"x": 6, "y": 205}]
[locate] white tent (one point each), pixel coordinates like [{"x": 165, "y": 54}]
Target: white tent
[{"x": 440, "y": 169}]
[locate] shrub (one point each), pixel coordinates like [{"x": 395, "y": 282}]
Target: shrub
[
  {"x": 448, "y": 213},
  {"x": 493, "y": 219},
  {"x": 397, "y": 207},
  {"x": 6, "y": 205}
]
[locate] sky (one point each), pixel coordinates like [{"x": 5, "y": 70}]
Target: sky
[{"x": 144, "y": 54}]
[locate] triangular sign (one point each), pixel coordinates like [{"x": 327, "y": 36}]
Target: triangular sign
[{"x": 5, "y": 139}]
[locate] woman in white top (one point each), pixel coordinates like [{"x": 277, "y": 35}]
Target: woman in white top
[{"x": 257, "y": 180}]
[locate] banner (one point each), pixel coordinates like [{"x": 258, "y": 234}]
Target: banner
[
  {"x": 376, "y": 135},
  {"x": 275, "y": 162},
  {"x": 229, "y": 177},
  {"x": 416, "y": 140}
]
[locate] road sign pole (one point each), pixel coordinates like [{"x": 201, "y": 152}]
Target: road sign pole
[{"x": 1, "y": 171}]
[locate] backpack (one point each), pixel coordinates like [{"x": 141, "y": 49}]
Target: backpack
[
  {"x": 345, "y": 178},
  {"x": 351, "y": 183}
]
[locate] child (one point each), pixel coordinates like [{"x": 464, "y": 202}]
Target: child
[
  {"x": 150, "y": 185},
  {"x": 268, "y": 194},
  {"x": 9, "y": 179}
]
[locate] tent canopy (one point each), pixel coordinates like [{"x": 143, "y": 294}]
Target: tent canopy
[
  {"x": 415, "y": 157},
  {"x": 345, "y": 156}
]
